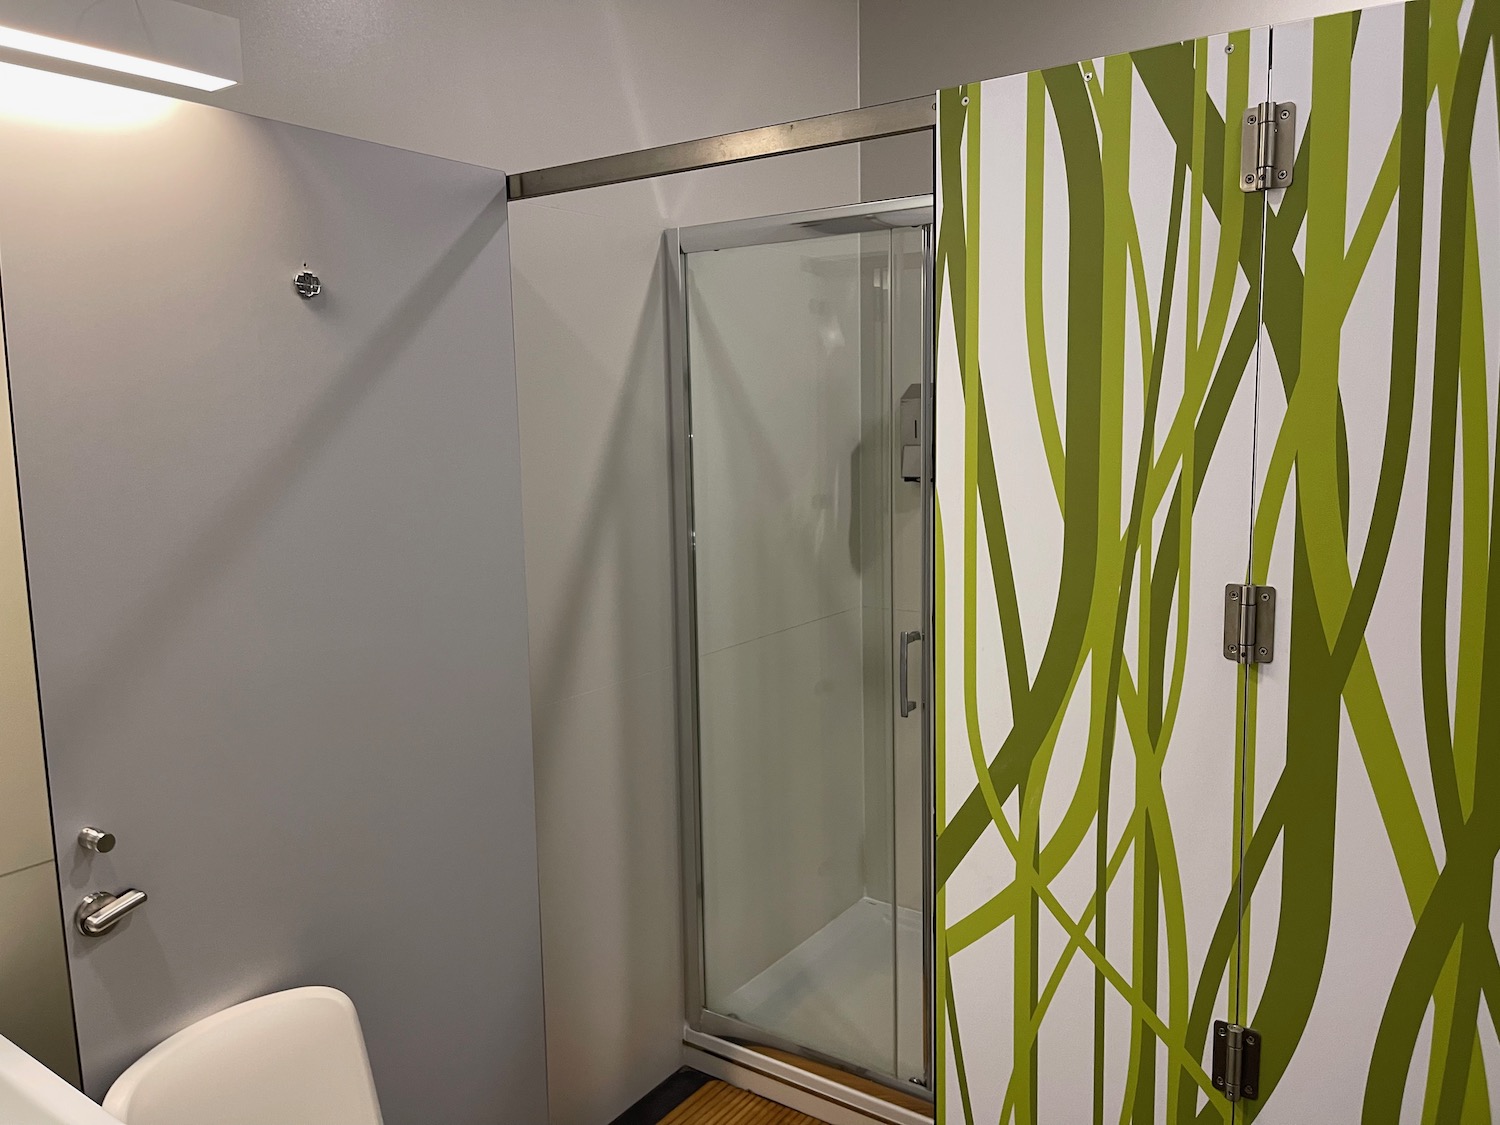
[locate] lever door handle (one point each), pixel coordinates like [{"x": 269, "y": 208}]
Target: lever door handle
[
  {"x": 101, "y": 911},
  {"x": 908, "y": 704}
]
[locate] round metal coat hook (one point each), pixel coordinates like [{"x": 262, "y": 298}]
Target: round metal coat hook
[{"x": 307, "y": 283}]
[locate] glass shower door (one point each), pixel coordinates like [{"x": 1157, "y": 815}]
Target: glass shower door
[{"x": 806, "y": 577}]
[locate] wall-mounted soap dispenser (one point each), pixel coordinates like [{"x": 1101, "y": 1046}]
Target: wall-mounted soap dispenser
[{"x": 911, "y": 434}]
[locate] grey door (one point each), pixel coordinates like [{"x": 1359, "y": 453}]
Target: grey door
[{"x": 274, "y": 548}]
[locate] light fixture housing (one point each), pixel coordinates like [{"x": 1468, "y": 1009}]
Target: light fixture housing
[{"x": 160, "y": 40}]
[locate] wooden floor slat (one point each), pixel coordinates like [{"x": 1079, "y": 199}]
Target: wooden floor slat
[{"x": 718, "y": 1103}]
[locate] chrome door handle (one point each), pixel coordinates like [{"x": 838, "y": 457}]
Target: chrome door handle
[
  {"x": 101, "y": 911},
  {"x": 908, "y": 704}
]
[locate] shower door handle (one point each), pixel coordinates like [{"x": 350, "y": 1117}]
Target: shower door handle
[{"x": 908, "y": 704}]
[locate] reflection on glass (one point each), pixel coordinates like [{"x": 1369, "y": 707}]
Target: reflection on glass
[{"x": 810, "y": 784}]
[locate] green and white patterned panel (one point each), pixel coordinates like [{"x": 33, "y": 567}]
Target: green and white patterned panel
[
  {"x": 1375, "y": 803},
  {"x": 1097, "y": 332}
]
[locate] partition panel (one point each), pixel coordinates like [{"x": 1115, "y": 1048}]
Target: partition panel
[
  {"x": 1373, "y": 815},
  {"x": 1330, "y": 885},
  {"x": 1099, "y": 293},
  {"x": 274, "y": 551}
]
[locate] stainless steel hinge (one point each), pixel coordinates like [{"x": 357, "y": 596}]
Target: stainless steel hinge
[
  {"x": 1249, "y": 623},
  {"x": 1236, "y": 1069},
  {"x": 1268, "y": 146}
]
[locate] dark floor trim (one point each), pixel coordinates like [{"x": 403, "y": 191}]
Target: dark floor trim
[{"x": 664, "y": 1099}]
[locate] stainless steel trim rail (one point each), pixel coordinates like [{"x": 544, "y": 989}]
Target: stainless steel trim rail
[
  {"x": 890, "y": 119},
  {"x": 829, "y": 1089}
]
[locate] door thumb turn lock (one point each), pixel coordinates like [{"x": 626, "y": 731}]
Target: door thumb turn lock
[{"x": 92, "y": 839}]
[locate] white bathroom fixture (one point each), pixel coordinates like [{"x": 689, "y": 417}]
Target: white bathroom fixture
[
  {"x": 293, "y": 1058},
  {"x": 157, "y": 39},
  {"x": 30, "y": 1094}
]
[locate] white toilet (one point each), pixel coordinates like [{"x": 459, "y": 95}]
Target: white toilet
[{"x": 291, "y": 1058}]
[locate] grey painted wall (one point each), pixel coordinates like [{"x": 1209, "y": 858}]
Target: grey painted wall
[
  {"x": 524, "y": 84},
  {"x": 278, "y": 587},
  {"x": 906, "y": 49},
  {"x": 590, "y": 340}
]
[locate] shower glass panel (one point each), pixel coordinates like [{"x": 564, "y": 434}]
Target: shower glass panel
[{"x": 803, "y": 394}]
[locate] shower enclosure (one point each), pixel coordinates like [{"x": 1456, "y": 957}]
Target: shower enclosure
[{"x": 801, "y": 349}]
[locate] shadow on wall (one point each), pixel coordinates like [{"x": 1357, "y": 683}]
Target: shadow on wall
[
  {"x": 598, "y": 539},
  {"x": 260, "y": 492},
  {"x": 626, "y": 523}
]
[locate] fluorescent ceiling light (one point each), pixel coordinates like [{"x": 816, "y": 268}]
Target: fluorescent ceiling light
[
  {"x": 157, "y": 39},
  {"x": 109, "y": 60}
]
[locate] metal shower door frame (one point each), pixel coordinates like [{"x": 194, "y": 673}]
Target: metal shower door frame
[{"x": 708, "y": 1030}]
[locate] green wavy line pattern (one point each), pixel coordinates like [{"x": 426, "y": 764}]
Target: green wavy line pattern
[{"x": 1150, "y": 385}]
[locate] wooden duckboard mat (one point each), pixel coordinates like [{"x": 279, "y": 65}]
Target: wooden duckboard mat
[{"x": 718, "y": 1103}]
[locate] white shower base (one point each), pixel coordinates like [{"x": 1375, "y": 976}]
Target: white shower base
[{"x": 834, "y": 993}]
